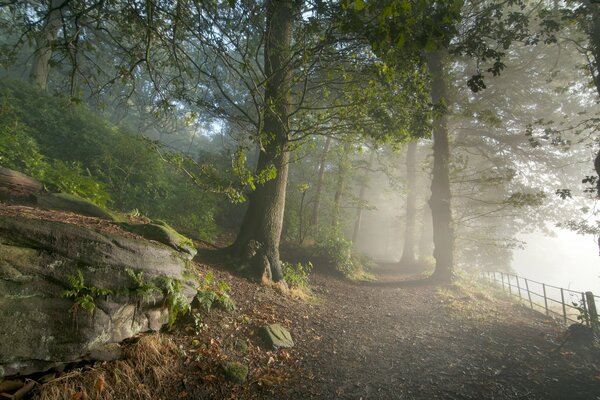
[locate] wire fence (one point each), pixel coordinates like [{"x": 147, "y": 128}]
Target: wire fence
[{"x": 561, "y": 303}]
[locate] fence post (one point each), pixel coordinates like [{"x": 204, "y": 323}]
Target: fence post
[
  {"x": 528, "y": 294},
  {"x": 502, "y": 277},
  {"x": 591, "y": 305},
  {"x": 545, "y": 298},
  {"x": 562, "y": 300},
  {"x": 519, "y": 287},
  {"x": 509, "y": 284},
  {"x": 585, "y": 309}
]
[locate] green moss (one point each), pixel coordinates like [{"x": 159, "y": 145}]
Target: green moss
[{"x": 235, "y": 372}]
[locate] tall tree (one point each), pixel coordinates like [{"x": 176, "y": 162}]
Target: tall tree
[
  {"x": 260, "y": 233},
  {"x": 408, "y": 251},
  {"x": 441, "y": 213},
  {"x": 44, "y": 39}
]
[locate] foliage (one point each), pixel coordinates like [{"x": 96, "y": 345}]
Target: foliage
[
  {"x": 174, "y": 298},
  {"x": 83, "y": 296},
  {"x": 73, "y": 150},
  {"x": 212, "y": 293},
  {"x": 296, "y": 275},
  {"x": 19, "y": 150},
  {"x": 338, "y": 252},
  {"x": 144, "y": 290}
]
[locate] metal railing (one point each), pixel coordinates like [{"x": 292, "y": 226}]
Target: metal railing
[{"x": 565, "y": 304}]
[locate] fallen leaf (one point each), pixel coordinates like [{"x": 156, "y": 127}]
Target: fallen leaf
[{"x": 99, "y": 386}]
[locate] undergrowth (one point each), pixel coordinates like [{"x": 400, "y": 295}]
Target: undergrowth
[{"x": 145, "y": 374}]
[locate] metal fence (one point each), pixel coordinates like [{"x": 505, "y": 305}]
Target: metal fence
[{"x": 564, "y": 304}]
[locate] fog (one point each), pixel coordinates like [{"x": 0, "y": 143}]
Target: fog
[{"x": 567, "y": 260}]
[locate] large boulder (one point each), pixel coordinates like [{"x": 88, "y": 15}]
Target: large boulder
[{"x": 66, "y": 291}]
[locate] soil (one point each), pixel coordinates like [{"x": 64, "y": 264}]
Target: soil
[{"x": 395, "y": 338}]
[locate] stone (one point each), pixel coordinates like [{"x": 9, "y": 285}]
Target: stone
[
  {"x": 106, "y": 352},
  {"x": 276, "y": 336},
  {"x": 39, "y": 327},
  {"x": 161, "y": 232},
  {"x": 72, "y": 203},
  {"x": 235, "y": 372}
]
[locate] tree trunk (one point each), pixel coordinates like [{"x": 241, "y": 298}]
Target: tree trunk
[
  {"x": 408, "y": 252},
  {"x": 340, "y": 185},
  {"x": 425, "y": 237},
  {"x": 361, "y": 201},
  {"x": 257, "y": 243},
  {"x": 441, "y": 213},
  {"x": 595, "y": 44},
  {"x": 40, "y": 69},
  {"x": 314, "y": 220}
]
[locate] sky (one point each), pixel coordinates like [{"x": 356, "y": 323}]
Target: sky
[{"x": 568, "y": 260}]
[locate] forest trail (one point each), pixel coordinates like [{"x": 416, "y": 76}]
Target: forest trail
[{"x": 389, "y": 340}]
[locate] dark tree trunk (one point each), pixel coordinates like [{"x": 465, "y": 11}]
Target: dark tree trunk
[
  {"x": 441, "y": 213},
  {"x": 408, "y": 252},
  {"x": 257, "y": 243},
  {"x": 40, "y": 69},
  {"x": 314, "y": 220},
  {"x": 361, "y": 201}
]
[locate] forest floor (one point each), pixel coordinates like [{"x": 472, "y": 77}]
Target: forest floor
[{"x": 386, "y": 339}]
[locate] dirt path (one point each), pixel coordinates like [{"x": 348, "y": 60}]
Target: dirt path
[{"x": 391, "y": 341}]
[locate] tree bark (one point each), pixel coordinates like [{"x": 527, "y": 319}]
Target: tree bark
[
  {"x": 425, "y": 237},
  {"x": 361, "y": 200},
  {"x": 40, "y": 69},
  {"x": 441, "y": 213},
  {"x": 340, "y": 186},
  {"x": 408, "y": 252},
  {"x": 257, "y": 243},
  {"x": 314, "y": 220}
]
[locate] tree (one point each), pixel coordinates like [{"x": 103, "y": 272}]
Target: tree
[{"x": 408, "y": 252}]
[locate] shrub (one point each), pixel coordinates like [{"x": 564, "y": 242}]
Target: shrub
[
  {"x": 296, "y": 275},
  {"x": 212, "y": 293}
]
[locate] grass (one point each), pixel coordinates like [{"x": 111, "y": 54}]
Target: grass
[{"x": 146, "y": 372}]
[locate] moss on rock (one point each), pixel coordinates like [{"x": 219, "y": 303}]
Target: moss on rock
[{"x": 235, "y": 372}]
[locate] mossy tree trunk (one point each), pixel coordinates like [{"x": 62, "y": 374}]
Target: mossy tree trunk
[
  {"x": 257, "y": 243},
  {"x": 441, "y": 213}
]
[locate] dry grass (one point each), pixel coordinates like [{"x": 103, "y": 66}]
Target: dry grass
[{"x": 147, "y": 371}]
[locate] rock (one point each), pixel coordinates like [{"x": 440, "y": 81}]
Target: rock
[
  {"x": 15, "y": 186},
  {"x": 39, "y": 259},
  {"x": 72, "y": 203},
  {"x": 235, "y": 372},
  {"x": 107, "y": 352},
  {"x": 276, "y": 335},
  {"x": 162, "y": 233}
]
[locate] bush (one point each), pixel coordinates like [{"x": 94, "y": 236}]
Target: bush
[
  {"x": 338, "y": 252},
  {"x": 296, "y": 275}
]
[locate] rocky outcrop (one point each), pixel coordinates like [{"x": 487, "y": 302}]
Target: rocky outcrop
[{"x": 67, "y": 292}]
